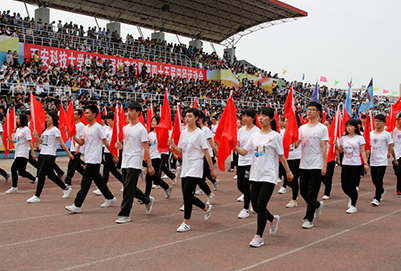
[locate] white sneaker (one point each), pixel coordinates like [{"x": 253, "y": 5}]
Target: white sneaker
[
  {"x": 325, "y": 197},
  {"x": 67, "y": 192},
  {"x": 183, "y": 227},
  {"x": 235, "y": 177},
  {"x": 199, "y": 192},
  {"x": 155, "y": 186},
  {"x": 123, "y": 219},
  {"x": 282, "y": 190},
  {"x": 349, "y": 202},
  {"x": 210, "y": 199},
  {"x": 182, "y": 208},
  {"x": 351, "y": 210},
  {"x": 168, "y": 192},
  {"x": 97, "y": 192},
  {"x": 165, "y": 176},
  {"x": 150, "y": 205},
  {"x": 108, "y": 202},
  {"x": 241, "y": 198},
  {"x": 73, "y": 208},
  {"x": 274, "y": 225},
  {"x": 292, "y": 204},
  {"x": 216, "y": 185},
  {"x": 12, "y": 190},
  {"x": 33, "y": 199},
  {"x": 382, "y": 195},
  {"x": 243, "y": 214},
  {"x": 375, "y": 202},
  {"x": 175, "y": 179},
  {"x": 307, "y": 224},
  {"x": 257, "y": 241},
  {"x": 8, "y": 177},
  {"x": 208, "y": 213},
  {"x": 318, "y": 211}
]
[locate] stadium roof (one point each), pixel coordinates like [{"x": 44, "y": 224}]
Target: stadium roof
[{"x": 208, "y": 20}]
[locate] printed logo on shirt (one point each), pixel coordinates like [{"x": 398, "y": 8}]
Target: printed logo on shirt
[
  {"x": 349, "y": 150},
  {"x": 152, "y": 142},
  {"x": 186, "y": 145},
  {"x": 261, "y": 150},
  {"x": 45, "y": 140}
]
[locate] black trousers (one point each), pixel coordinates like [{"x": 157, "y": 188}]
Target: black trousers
[
  {"x": 243, "y": 184},
  {"x": 3, "y": 173},
  {"x": 310, "y": 180},
  {"x": 327, "y": 179},
  {"x": 34, "y": 163},
  {"x": 206, "y": 171},
  {"x": 75, "y": 164},
  {"x": 397, "y": 171},
  {"x": 165, "y": 168},
  {"x": 350, "y": 177},
  {"x": 294, "y": 167},
  {"x": 91, "y": 173},
  {"x": 108, "y": 167},
  {"x": 188, "y": 185},
  {"x": 377, "y": 179},
  {"x": 261, "y": 193},
  {"x": 157, "y": 165},
  {"x": 130, "y": 181},
  {"x": 46, "y": 168},
  {"x": 19, "y": 168},
  {"x": 234, "y": 162}
]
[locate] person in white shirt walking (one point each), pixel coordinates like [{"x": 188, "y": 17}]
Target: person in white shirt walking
[
  {"x": 266, "y": 147},
  {"x": 313, "y": 136},
  {"x": 397, "y": 151}
]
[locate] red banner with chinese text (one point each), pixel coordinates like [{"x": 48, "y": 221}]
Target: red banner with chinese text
[{"x": 65, "y": 57}]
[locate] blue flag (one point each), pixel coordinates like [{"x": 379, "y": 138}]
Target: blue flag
[
  {"x": 315, "y": 94},
  {"x": 348, "y": 101},
  {"x": 367, "y": 98},
  {"x": 303, "y": 77}
]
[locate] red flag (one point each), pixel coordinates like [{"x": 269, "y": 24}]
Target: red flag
[
  {"x": 204, "y": 111},
  {"x": 62, "y": 123},
  {"x": 8, "y": 130},
  {"x": 334, "y": 133},
  {"x": 366, "y": 132},
  {"x": 301, "y": 119},
  {"x": 38, "y": 115},
  {"x": 123, "y": 118},
  {"x": 117, "y": 134},
  {"x": 276, "y": 118},
  {"x": 346, "y": 117},
  {"x": 176, "y": 133},
  {"x": 142, "y": 120},
  {"x": 196, "y": 103},
  {"x": 163, "y": 128},
  {"x": 31, "y": 128},
  {"x": 104, "y": 111},
  {"x": 257, "y": 122},
  {"x": 324, "y": 117},
  {"x": 397, "y": 106},
  {"x": 391, "y": 120},
  {"x": 83, "y": 119},
  {"x": 291, "y": 131},
  {"x": 70, "y": 120},
  {"x": 226, "y": 133},
  {"x": 149, "y": 116},
  {"x": 99, "y": 117}
]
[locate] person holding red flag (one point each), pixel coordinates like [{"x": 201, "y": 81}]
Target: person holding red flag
[
  {"x": 49, "y": 140},
  {"x": 397, "y": 151},
  {"x": 192, "y": 147},
  {"x": 23, "y": 143},
  {"x": 266, "y": 147}
]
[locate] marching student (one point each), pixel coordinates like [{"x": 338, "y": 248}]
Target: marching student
[
  {"x": 156, "y": 162},
  {"x": 245, "y": 162},
  {"x": 135, "y": 145},
  {"x": 23, "y": 144},
  {"x": 352, "y": 144},
  {"x": 75, "y": 164},
  {"x": 48, "y": 141},
  {"x": 266, "y": 147},
  {"x": 93, "y": 138},
  {"x": 327, "y": 179},
  {"x": 313, "y": 136},
  {"x": 397, "y": 151},
  {"x": 381, "y": 149},
  {"x": 193, "y": 147}
]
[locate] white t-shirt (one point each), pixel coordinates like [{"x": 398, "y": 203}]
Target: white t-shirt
[
  {"x": 243, "y": 138},
  {"x": 265, "y": 149},
  {"x": 214, "y": 128},
  {"x": 22, "y": 135},
  {"x": 282, "y": 131},
  {"x": 93, "y": 136},
  {"x": 49, "y": 141},
  {"x": 108, "y": 133},
  {"x": 133, "y": 151},
  {"x": 154, "y": 152},
  {"x": 397, "y": 142},
  {"x": 379, "y": 148},
  {"x": 351, "y": 146},
  {"x": 80, "y": 130},
  {"x": 208, "y": 135},
  {"x": 192, "y": 145},
  {"x": 1, "y": 131},
  {"x": 311, "y": 138},
  {"x": 295, "y": 153}
]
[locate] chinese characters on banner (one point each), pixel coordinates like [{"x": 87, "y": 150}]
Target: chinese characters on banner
[{"x": 65, "y": 57}]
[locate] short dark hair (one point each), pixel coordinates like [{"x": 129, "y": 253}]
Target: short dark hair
[
  {"x": 250, "y": 112},
  {"x": 135, "y": 106},
  {"x": 80, "y": 113},
  {"x": 110, "y": 115},
  {"x": 23, "y": 120},
  {"x": 93, "y": 109},
  {"x": 54, "y": 116},
  {"x": 354, "y": 123},
  {"x": 380, "y": 117},
  {"x": 315, "y": 104}
]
